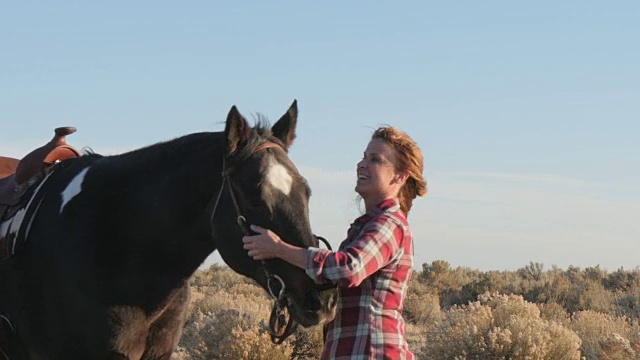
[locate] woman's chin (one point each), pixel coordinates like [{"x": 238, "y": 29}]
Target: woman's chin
[{"x": 360, "y": 188}]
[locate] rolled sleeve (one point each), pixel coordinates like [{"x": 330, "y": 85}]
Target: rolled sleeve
[
  {"x": 367, "y": 253},
  {"x": 315, "y": 260}
]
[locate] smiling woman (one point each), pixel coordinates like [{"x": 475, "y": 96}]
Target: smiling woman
[{"x": 373, "y": 265}]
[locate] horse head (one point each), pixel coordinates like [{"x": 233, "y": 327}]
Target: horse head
[{"x": 262, "y": 186}]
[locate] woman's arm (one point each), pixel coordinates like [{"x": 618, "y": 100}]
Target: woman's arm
[
  {"x": 267, "y": 245},
  {"x": 376, "y": 245}
]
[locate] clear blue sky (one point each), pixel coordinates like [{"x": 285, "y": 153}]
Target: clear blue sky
[{"x": 528, "y": 113}]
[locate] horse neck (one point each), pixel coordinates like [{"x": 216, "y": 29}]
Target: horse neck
[
  {"x": 193, "y": 160},
  {"x": 167, "y": 190}
]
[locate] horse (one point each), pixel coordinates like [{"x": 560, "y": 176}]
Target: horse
[{"x": 112, "y": 242}]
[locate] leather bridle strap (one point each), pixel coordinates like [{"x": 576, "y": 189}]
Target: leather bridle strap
[
  {"x": 225, "y": 181},
  {"x": 278, "y": 312}
]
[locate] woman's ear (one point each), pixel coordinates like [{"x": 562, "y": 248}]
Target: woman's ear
[{"x": 400, "y": 178}]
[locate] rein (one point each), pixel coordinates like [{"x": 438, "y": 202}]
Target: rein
[{"x": 278, "y": 330}]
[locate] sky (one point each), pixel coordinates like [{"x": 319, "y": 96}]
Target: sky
[{"x": 527, "y": 112}]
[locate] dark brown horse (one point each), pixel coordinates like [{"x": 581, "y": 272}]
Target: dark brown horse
[{"x": 104, "y": 272}]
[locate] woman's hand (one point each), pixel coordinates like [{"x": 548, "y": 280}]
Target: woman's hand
[{"x": 265, "y": 245}]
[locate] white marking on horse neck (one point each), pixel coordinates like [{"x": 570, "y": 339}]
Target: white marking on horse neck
[
  {"x": 4, "y": 228},
  {"x": 11, "y": 226},
  {"x": 73, "y": 188},
  {"x": 278, "y": 176}
]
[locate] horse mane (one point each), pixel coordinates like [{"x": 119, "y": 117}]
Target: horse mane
[
  {"x": 87, "y": 151},
  {"x": 260, "y": 134}
]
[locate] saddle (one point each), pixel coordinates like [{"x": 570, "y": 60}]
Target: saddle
[
  {"x": 18, "y": 180},
  {"x": 7, "y": 166},
  {"x": 17, "y": 175}
]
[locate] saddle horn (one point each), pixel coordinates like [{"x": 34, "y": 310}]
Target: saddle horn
[{"x": 56, "y": 149}]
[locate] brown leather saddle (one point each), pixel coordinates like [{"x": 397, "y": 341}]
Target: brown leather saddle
[
  {"x": 7, "y": 166},
  {"x": 18, "y": 180}
]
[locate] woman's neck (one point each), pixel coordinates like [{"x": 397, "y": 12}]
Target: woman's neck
[{"x": 372, "y": 203}]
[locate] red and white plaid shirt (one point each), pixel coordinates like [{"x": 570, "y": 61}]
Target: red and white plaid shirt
[{"x": 372, "y": 269}]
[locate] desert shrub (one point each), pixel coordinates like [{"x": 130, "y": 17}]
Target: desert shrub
[
  {"x": 499, "y": 327},
  {"x": 616, "y": 347},
  {"x": 448, "y": 283},
  {"x": 250, "y": 291},
  {"x": 227, "y": 319},
  {"x": 526, "y": 335},
  {"x": 306, "y": 343},
  {"x": 218, "y": 277},
  {"x": 248, "y": 304},
  {"x": 554, "y": 312},
  {"x": 533, "y": 338},
  {"x": 508, "y": 307},
  {"x": 532, "y": 271},
  {"x": 415, "y": 335},
  {"x": 595, "y": 273},
  {"x": 205, "y": 333},
  {"x": 252, "y": 344},
  {"x": 439, "y": 276},
  {"x": 557, "y": 288},
  {"x": 595, "y": 330},
  {"x": 461, "y": 334},
  {"x": 490, "y": 281},
  {"x": 628, "y": 303},
  {"x": 422, "y": 309},
  {"x": 596, "y": 298},
  {"x": 623, "y": 280},
  {"x": 419, "y": 287},
  {"x": 574, "y": 289},
  {"x": 446, "y": 310},
  {"x": 214, "y": 316}
]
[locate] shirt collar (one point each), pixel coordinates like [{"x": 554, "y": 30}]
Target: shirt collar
[{"x": 391, "y": 204}]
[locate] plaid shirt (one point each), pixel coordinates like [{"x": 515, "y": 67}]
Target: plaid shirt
[{"x": 372, "y": 269}]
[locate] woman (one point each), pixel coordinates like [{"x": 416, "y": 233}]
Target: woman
[{"x": 373, "y": 265}]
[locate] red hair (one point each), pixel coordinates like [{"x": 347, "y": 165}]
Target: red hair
[{"x": 409, "y": 161}]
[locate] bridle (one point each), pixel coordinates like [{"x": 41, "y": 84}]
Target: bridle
[{"x": 279, "y": 327}]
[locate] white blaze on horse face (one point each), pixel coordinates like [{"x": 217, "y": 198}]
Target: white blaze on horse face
[
  {"x": 73, "y": 188},
  {"x": 278, "y": 176}
]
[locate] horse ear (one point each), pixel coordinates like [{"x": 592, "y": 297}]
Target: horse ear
[
  {"x": 237, "y": 130},
  {"x": 285, "y": 128}
]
